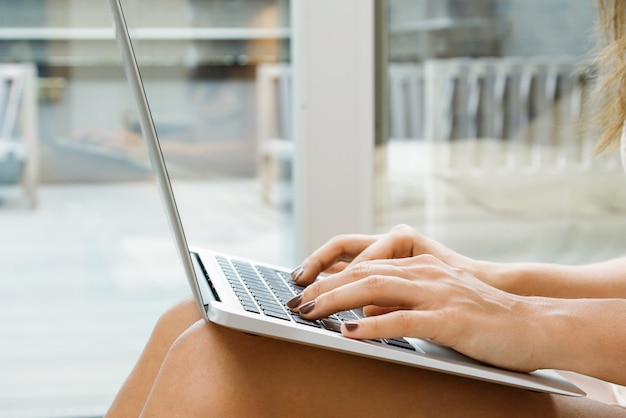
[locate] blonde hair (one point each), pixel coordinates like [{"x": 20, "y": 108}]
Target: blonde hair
[{"x": 611, "y": 65}]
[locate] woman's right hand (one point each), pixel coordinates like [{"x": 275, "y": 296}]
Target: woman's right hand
[{"x": 425, "y": 298}]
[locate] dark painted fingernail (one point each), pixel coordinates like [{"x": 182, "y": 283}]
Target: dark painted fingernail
[
  {"x": 351, "y": 326},
  {"x": 294, "y": 271},
  {"x": 307, "y": 307},
  {"x": 295, "y": 275},
  {"x": 294, "y": 302}
]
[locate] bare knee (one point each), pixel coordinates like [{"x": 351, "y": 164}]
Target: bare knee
[
  {"x": 196, "y": 374},
  {"x": 183, "y": 310},
  {"x": 175, "y": 320}
]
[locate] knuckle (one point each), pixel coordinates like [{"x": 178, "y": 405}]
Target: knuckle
[
  {"x": 427, "y": 259},
  {"x": 401, "y": 228},
  {"x": 429, "y": 266},
  {"x": 392, "y": 325},
  {"x": 374, "y": 284},
  {"x": 338, "y": 240},
  {"x": 403, "y": 321},
  {"x": 359, "y": 271},
  {"x": 403, "y": 231},
  {"x": 404, "y": 237},
  {"x": 313, "y": 290}
]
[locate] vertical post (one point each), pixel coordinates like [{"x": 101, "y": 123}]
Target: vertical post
[{"x": 333, "y": 80}]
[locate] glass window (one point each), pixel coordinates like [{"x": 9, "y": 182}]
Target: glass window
[
  {"x": 87, "y": 258},
  {"x": 487, "y": 151}
]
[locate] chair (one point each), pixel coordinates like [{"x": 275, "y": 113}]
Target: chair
[
  {"x": 19, "y": 154},
  {"x": 500, "y": 130},
  {"x": 406, "y": 101}
]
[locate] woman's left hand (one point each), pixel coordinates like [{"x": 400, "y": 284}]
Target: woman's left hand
[{"x": 425, "y": 298}]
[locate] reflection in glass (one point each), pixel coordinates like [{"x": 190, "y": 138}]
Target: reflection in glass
[{"x": 486, "y": 148}]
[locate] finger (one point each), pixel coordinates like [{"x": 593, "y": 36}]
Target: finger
[
  {"x": 342, "y": 248},
  {"x": 329, "y": 283},
  {"x": 373, "y": 310},
  {"x": 350, "y": 275},
  {"x": 428, "y": 265},
  {"x": 384, "y": 291},
  {"x": 402, "y": 323},
  {"x": 398, "y": 243},
  {"x": 337, "y": 267}
]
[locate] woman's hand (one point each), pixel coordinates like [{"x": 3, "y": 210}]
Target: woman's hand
[
  {"x": 401, "y": 242},
  {"x": 412, "y": 286},
  {"x": 423, "y": 297}
]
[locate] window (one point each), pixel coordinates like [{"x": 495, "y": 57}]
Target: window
[
  {"x": 87, "y": 270},
  {"x": 485, "y": 148}
]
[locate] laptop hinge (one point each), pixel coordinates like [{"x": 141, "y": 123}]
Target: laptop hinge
[{"x": 201, "y": 272}]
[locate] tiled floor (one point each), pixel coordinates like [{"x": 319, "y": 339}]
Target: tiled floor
[{"x": 84, "y": 277}]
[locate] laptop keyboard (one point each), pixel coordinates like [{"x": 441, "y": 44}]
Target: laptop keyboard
[{"x": 265, "y": 291}]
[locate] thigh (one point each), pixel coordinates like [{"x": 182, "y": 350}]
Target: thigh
[
  {"x": 132, "y": 396},
  {"x": 214, "y": 371}
]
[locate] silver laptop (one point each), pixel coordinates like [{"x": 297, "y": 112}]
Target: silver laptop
[{"x": 251, "y": 296}]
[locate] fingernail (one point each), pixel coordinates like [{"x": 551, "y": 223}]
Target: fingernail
[
  {"x": 351, "y": 326},
  {"x": 294, "y": 302},
  {"x": 296, "y": 270},
  {"x": 297, "y": 273},
  {"x": 307, "y": 307}
]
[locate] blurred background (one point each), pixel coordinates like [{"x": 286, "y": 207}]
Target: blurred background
[{"x": 481, "y": 104}]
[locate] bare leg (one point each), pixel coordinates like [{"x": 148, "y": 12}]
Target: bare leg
[
  {"x": 214, "y": 371},
  {"x": 132, "y": 396}
]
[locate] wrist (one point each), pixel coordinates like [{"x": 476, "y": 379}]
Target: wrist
[
  {"x": 552, "y": 326},
  {"x": 576, "y": 335},
  {"x": 499, "y": 275}
]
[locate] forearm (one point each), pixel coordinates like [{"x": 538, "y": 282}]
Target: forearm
[
  {"x": 582, "y": 335},
  {"x": 601, "y": 280}
]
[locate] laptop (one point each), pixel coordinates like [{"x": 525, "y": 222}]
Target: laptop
[{"x": 250, "y": 296}]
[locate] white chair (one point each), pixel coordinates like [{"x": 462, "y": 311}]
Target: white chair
[
  {"x": 502, "y": 131},
  {"x": 19, "y": 154},
  {"x": 406, "y": 101}
]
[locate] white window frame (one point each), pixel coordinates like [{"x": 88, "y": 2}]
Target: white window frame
[{"x": 333, "y": 66}]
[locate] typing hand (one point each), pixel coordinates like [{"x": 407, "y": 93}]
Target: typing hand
[
  {"x": 426, "y": 298},
  {"x": 402, "y": 241}
]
